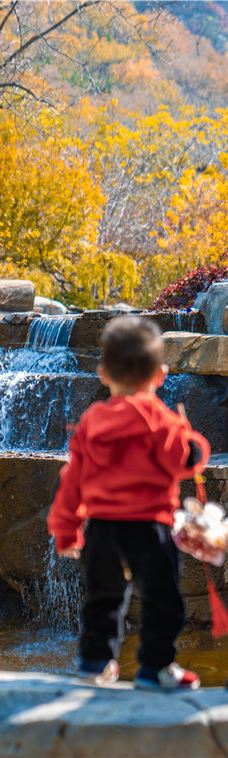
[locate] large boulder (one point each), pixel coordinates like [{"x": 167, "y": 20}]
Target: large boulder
[
  {"x": 51, "y": 307},
  {"x": 87, "y": 327},
  {"x": 16, "y": 295},
  {"x": 213, "y": 305}
]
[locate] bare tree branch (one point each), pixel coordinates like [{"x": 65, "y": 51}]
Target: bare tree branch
[
  {"x": 41, "y": 35},
  {"x": 18, "y": 23},
  {"x": 10, "y": 11},
  {"x": 16, "y": 85}
]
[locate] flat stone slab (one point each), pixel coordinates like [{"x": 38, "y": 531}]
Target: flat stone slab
[
  {"x": 57, "y": 716},
  {"x": 196, "y": 353}
]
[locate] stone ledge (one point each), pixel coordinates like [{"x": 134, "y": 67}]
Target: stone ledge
[
  {"x": 59, "y": 717},
  {"x": 196, "y": 353},
  {"x": 87, "y": 327}
]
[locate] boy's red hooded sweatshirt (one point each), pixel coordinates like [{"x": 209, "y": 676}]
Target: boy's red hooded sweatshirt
[{"x": 127, "y": 457}]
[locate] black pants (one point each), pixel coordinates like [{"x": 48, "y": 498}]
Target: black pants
[{"x": 150, "y": 553}]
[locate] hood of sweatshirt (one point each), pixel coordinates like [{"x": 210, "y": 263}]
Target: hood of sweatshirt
[{"x": 109, "y": 424}]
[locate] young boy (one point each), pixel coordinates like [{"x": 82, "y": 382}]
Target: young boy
[{"x": 128, "y": 455}]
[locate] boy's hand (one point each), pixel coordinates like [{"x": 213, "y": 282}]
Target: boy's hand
[
  {"x": 70, "y": 552},
  {"x": 160, "y": 376}
]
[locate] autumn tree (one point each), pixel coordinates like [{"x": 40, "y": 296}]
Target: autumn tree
[
  {"x": 195, "y": 231},
  {"x": 140, "y": 161},
  {"x": 50, "y": 209}
]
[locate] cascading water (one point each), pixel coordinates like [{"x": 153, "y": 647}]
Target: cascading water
[
  {"x": 180, "y": 320},
  {"x": 45, "y": 333},
  {"x": 209, "y": 416},
  {"x": 36, "y": 400},
  {"x": 58, "y": 597},
  {"x": 36, "y": 386}
]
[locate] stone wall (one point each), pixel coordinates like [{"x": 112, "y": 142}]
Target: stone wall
[
  {"x": 87, "y": 327},
  {"x": 27, "y": 486}
]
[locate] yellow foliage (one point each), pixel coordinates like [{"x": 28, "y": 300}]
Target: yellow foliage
[
  {"x": 195, "y": 236},
  {"x": 105, "y": 276},
  {"x": 97, "y": 197}
]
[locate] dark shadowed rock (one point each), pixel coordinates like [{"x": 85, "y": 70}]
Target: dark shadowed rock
[
  {"x": 27, "y": 486},
  {"x": 225, "y": 320},
  {"x": 206, "y": 403}
]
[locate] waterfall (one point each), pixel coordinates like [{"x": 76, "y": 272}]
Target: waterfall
[
  {"x": 58, "y": 597},
  {"x": 181, "y": 320},
  {"x": 48, "y": 331},
  {"x": 36, "y": 388},
  {"x": 35, "y": 410}
]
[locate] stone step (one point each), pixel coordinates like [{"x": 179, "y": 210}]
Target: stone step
[
  {"x": 58, "y": 716},
  {"x": 196, "y": 353}
]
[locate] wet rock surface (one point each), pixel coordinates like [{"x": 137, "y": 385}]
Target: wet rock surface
[
  {"x": 67, "y": 718},
  {"x": 206, "y": 403},
  {"x": 36, "y": 408},
  {"x": 213, "y": 306}
]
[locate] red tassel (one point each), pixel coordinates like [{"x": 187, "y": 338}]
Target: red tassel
[
  {"x": 201, "y": 490},
  {"x": 219, "y": 614}
]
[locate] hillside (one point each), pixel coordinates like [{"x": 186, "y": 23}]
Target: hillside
[
  {"x": 202, "y": 17},
  {"x": 155, "y": 52}
]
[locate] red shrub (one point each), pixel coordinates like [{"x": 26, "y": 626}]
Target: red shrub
[{"x": 181, "y": 294}]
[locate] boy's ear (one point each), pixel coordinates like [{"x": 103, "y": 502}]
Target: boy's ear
[{"x": 102, "y": 375}]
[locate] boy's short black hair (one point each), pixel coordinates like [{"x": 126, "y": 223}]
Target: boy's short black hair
[{"x": 132, "y": 349}]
